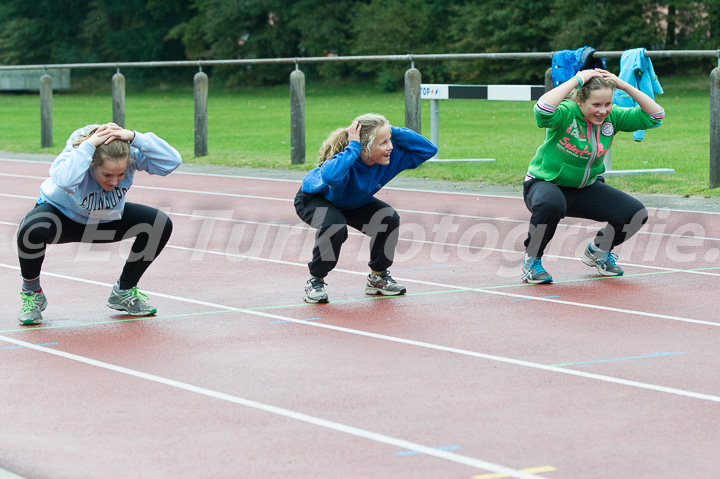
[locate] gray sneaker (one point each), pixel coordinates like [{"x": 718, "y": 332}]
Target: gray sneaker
[
  {"x": 33, "y": 305},
  {"x": 383, "y": 284},
  {"x": 131, "y": 301},
  {"x": 533, "y": 271},
  {"x": 604, "y": 261},
  {"x": 315, "y": 291}
]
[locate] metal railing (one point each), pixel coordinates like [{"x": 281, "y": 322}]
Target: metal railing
[{"x": 297, "y": 90}]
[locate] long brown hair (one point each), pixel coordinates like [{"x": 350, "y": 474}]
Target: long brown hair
[
  {"x": 338, "y": 139},
  {"x": 115, "y": 150}
]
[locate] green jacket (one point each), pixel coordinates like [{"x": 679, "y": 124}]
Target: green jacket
[{"x": 574, "y": 149}]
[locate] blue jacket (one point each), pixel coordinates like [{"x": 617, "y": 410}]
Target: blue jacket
[
  {"x": 566, "y": 63},
  {"x": 348, "y": 182},
  {"x": 637, "y": 70},
  {"x": 72, "y": 187}
]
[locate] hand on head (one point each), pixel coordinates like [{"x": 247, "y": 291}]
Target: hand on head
[
  {"x": 599, "y": 72},
  {"x": 109, "y": 132},
  {"x": 588, "y": 74},
  {"x": 353, "y": 131}
]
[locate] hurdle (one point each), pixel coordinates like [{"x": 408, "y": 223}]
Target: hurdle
[{"x": 436, "y": 92}]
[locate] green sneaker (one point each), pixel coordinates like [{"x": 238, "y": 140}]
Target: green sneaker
[
  {"x": 130, "y": 300},
  {"x": 604, "y": 261},
  {"x": 33, "y": 305}
]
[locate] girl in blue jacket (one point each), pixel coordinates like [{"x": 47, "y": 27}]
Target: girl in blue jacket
[
  {"x": 84, "y": 201},
  {"x": 354, "y": 163}
]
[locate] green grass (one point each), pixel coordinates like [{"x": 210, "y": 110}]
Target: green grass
[{"x": 251, "y": 127}]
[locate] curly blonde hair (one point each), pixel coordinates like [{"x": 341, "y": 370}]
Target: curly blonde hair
[
  {"x": 113, "y": 151},
  {"x": 338, "y": 139}
]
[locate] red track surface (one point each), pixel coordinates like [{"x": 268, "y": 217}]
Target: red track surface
[{"x": 474, "y": 371}]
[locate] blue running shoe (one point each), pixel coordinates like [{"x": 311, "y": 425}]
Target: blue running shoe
[{"x": 533, "y": 271}]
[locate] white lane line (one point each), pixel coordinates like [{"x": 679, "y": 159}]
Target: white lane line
[
  {"x": 422, "y": 344},
  {"x": 303, "y": 227},
  {"x": 298, "y": 416},
  {"x": 452, "y": 286},
  {"x": 591, "y": 227},
  {"x": 5, "y": 474}
]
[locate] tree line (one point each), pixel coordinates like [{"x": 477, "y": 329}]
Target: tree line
[{"x": 83, "y": 31}]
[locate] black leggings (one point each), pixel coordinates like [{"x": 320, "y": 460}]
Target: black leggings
[
  {"x": 549, "y": 203},
  {"x": 378, "y": 220},
  {"x": 45, "y": 224}
]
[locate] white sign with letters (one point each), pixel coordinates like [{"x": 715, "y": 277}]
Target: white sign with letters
[{"x": 433, "y": 92}]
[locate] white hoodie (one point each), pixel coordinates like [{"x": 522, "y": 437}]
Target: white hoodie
[{"x": 72, "y": 187}]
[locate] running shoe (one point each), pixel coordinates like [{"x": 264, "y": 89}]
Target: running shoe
[
  {"x": 604, "y": 261},
  {"x": 315, "y": 291},
  {"x": 33, "y": 305},
  {"x": 131, "y": 301},
  {"x": 383, "y": 284},
  {"x": 533, "y": 271}
]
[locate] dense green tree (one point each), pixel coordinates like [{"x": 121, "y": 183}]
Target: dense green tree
[
  {"x": 79, "y": 31},
  {"x": 44, "y": 31}
]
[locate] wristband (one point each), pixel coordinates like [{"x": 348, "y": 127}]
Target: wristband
[{"x": 580, "y": 81}]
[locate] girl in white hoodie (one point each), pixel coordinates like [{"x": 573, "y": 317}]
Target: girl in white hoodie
[{"x": 84, "y": 201}]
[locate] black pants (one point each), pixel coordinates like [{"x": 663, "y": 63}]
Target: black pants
[
  {"x": 45, "y": 224},
  {"x": 378, "y": 220},
  {"x": 549, "y": 203}
]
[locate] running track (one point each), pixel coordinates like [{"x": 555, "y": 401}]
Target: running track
[{"x": 472, "y": 374}]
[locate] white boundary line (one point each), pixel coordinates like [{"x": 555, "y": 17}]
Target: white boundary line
[
  {"x": 433, "y": 243},
  {"x": 422, "y": 344},
  {"x": 255, "y": 178},
  {"x": 419, "y": 212},
  {"x": 298, "y": 416}
]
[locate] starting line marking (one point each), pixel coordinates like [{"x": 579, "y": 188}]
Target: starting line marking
[{"x": 529, "y": 470}]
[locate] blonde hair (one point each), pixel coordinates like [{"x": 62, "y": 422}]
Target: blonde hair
[
  {"x": 338, "y": 139},
  {"x": 593, "y": 84},
  {"x": 113, "y": 151}
]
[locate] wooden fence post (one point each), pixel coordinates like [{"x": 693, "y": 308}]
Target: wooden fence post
[
  {"x": 413, "y": 117},
  {"x": 297, "y": 117},
  {"x": 201, "y": 114},
  {"x": 118, "y": 99},
  {"x": 46, "y": 120},
  {"x": 715, "y": 128}
]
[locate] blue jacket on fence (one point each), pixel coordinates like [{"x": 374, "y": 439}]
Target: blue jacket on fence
[
  {"x": 566, "y": 63},
  {"x": 637, "y": 70}
]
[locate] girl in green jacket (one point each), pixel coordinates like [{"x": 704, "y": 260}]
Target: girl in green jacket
[{"x": 563, "y": 177}]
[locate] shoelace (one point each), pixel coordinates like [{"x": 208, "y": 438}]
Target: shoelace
[
  {"x": 317, "y": 284},
  {"x": 136, "y": 295},
  {"x": 537, "y": 267},
  {"x": 28, "y": 302},
  {"x": 610, "y": 257},
  {"x": 385, "y": 276}
]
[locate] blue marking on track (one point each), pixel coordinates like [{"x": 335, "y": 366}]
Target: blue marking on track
[
  {"x": 645, "y": 356},
  {"x": 18, "y": 347},
  {"x": 530, "y": 299},
  {"x": 440, "y": 448},
  {"x": 304, "y": 319}
]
